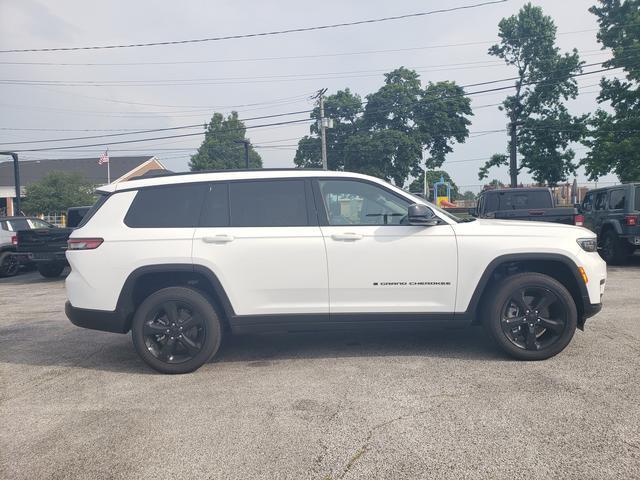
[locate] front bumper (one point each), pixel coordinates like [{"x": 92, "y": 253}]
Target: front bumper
[{"x": 103, "y": 320}]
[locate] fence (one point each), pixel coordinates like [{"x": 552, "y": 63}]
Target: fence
[{"x": 57, "y": 219}]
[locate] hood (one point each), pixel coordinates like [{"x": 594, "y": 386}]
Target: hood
[{"x": 521, "y": 228}]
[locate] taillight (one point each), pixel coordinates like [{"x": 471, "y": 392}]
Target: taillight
[
  {"x": 14, "y": 240},
  {"x": 631, "y": 220},
  {"x": 84, "y": 243},
  {"x": 578, "y": 220}
]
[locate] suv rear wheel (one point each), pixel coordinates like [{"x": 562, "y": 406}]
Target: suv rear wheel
[
  {"x": 531, "y": 316},
  {"x": 176, "y": 330},
  {"x": 614, "y": 249}
]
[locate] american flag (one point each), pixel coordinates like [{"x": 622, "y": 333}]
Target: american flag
[{"x": 104, "y": 158}]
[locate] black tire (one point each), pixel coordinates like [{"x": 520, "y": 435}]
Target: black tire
[
  {"x": 176, "y": 330},
  {"x": 50, "y": 270},
  {"x": 613, "y": 249},
  {"x": 9, "y": 265},
  {"x": 531, "y": 316}
]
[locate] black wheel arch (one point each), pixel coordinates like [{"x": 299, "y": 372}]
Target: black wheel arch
[
  {"x": 557, "y": 266},
  {"x": 148, "y": 279}
]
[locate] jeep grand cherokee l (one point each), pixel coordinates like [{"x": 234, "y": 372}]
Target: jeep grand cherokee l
[{"x": 182, "y": 260}]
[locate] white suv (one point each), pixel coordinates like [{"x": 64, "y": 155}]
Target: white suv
[{"x": 181, "y": 260}]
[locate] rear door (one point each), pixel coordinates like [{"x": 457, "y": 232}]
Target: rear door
[{"x": 262, "y": 240}]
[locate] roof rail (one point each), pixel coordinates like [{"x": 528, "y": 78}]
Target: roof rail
[{"x": 167, "y": 173}]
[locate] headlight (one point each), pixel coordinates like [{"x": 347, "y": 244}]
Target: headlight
[{"x": 588, "y": 244}]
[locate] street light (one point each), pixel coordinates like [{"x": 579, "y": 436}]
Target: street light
[
  {"x": 16, "y": 176},
  {"x": 246, "y": 150}
]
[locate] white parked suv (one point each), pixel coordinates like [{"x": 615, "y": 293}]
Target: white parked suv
[{"x": 183, "y": 259}]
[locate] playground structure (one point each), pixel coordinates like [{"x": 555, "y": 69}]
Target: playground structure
[{"x": 442, "y": 200}]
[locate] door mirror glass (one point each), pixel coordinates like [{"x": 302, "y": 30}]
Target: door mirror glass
[
  {"x": 419, "y": 214},
  {"x": 473, "y": 212}
]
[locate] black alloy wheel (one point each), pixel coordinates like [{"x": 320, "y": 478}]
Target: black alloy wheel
[
  {"x": 176, "y": 330},
  {"x": 9, "y": 265},
  {"x": 533, "y": 318}
]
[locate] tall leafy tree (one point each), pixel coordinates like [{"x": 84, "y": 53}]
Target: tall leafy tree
[
  {"x": 220, "y": 149},
  {"x": 345, "y": 109},
  {"x": 403, "y": 128},
  {"x": 614, "y": 136},
  {"x": 58, "y": 191},
  {"x": 540, "y": 126}
]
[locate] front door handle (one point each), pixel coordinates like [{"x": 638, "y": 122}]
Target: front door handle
[
  {"x": 218, "y": 239},
  {"x": 346, "y": 237}
]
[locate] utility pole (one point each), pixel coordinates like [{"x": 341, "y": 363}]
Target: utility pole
[
  {"x": 246, "y": 150},
  {"x": 513, "y": 147},
  {"x": 16, "y": 177},
  {"x": 324, "y": 123}
]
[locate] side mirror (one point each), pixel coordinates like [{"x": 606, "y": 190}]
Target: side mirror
[
  {"x": 473, "y": 212},
  {"x": 421, "y": 215}
]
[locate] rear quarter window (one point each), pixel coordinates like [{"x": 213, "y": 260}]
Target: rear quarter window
[
  {"x": 167, "y": 206},
  {"x": 617, "y": 199},
  {"x": 637, "y": 198}
]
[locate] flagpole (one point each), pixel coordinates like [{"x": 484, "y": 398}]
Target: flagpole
[{"x": 108, "y": 167}]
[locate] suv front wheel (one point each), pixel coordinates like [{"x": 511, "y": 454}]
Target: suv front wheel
[
  {"x": 531, "y": 316},
  {"x": 176, "y": 330}
]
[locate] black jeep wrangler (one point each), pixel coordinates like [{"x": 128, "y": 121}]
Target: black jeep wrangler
[{"x": 613, "y": 214}]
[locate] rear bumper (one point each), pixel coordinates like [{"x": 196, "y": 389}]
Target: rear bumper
[
  {"x": 103, "y": 320},
  {"x": 46, "y": 257}
]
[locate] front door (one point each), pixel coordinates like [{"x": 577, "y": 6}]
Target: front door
[
  {"x": 262, "y": 240},
  {"x": 377, "y": 262}
]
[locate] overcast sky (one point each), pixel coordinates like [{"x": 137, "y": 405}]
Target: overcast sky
[{"x": 243, "y": 74}]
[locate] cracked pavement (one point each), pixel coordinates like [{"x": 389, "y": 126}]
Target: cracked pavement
[{"x": 79, "y": 404}]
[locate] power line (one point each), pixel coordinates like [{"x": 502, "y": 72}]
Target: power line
[
  {"x": 261, "y": 34},
  {"x": 157, "y": 138},
  {"x": 197, "y": 125}
]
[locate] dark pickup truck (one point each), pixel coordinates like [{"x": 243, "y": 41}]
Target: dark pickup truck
[
  {"x": 46, "y": 247},
  {"x": 534, "y": 204}
]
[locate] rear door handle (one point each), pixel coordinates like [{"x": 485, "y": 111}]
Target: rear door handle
[
  {"x": 346, "y": 237},
  {"x": 218, "y": 239}
]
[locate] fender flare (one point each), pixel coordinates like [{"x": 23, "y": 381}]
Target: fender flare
[
  {"x": 126, "y": 306},
  {"x": 614, "y": 224},
  {"x": 474, "y": 302}
]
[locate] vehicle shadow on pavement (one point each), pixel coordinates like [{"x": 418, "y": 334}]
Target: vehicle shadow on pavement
[
  {"x": 77, "y": 348},
  {"x": 32, "y": 277}
]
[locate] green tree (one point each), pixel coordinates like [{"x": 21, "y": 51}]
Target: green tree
[
  {"x": 58, "y": 191},
  {"x": 389, "y": 137},
  {"x": 614, "y": 137},
  {"x": 540, "y": 126},
  {"x": 495, "y": 183},
  {"x": 433, "y": 176},
  {"x": 220, "y": 149},
  {"x": 468, "y": 195}
]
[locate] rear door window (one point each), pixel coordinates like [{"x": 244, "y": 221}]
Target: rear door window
[
  {"x": 167, "y": 206},
  {"x": 270, "y": 203},
  {"x": 617, "y": 199},
  {"x": 215, "y": 212}
]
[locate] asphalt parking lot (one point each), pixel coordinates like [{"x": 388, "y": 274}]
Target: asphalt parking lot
[{"x": 76, "y": 403}]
